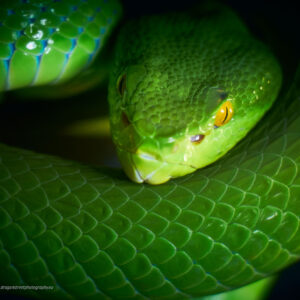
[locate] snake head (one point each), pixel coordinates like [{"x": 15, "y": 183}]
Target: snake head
[
  {"x": 162, "y": 135},
  {"x": 178, "y": 103}
]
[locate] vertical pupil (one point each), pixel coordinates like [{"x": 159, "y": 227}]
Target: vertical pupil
[{"x": 226, "y": 115}]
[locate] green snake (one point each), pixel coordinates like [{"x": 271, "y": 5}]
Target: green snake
[{"x": 184, "y": 89}]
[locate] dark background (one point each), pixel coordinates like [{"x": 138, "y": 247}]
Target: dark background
[{"x": 37, "y": 125}]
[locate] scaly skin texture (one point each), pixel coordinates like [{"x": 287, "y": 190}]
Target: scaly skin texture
[
  {"x": 49, "y": 41},
  {"x": 180, "y": 68},
  {"x": 90, "y": 233}
]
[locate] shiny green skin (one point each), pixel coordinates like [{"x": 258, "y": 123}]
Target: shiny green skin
[
  {"x": 91, "y": 233},
  {"x": 179, "y": 69},
  {"x": 48, "y": 41}
]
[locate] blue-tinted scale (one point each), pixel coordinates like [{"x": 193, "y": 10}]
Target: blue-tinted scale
[
  {"x": 63, "y": 18},
  {"x": 97, "y": 46},
  {"x": 90, "y": 19},
  {"x": 38, "y": 60},
  {"x": 98, "y": 9},
  {"x": 74, "y": 43},
  {"x": 102, "y": 30},
  {"x": 109, "y": 20},
  {"x": 67, "y": 56},
  {"x": 97, "y": 41},
  {"x": 44, "y": 8},
  {"x": 12, "y": 48},
  {"x": 92, "y": 55},
  {"x": 20, "y": 32},
  {"x": 80, "y": 29},
  {"x": 7, "y": 63},
  {"x": 74, "y": 8},
  {"x": 6, "y": 66},
  {"x": 38, "y": 64},
  {"x": 167, "y": 280},
  {"x": 10, "y": 12},
  {"x": 44, "y": 45}
]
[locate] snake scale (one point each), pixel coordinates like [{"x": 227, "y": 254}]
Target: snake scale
[{"x": 91, "y": 233}]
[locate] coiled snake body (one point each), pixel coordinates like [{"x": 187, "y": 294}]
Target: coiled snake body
[{"x": 91, "y": 233}]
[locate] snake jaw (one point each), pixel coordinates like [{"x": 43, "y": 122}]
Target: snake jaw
[{"x": 142, "y": 166}]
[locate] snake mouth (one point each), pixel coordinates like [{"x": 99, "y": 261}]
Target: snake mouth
[{"x": 142, "y": 167}]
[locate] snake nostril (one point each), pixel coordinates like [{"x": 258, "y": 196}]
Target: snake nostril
[
  {"x": 197, "y": 139},
  {"x": 125, "y": 120}
]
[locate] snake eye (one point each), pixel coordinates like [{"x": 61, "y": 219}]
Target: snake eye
[
  {"x": 197, "y": 139},
  {"x": 121, "y": 84},
  {"x": 224, "y": 114}
]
